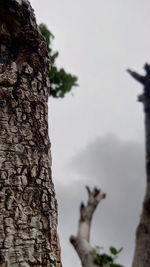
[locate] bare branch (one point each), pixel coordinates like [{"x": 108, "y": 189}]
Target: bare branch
[
  {"x": 137, "y": 76},
  {"x": 88, "y": 190},
  {"x": 81, "y": 242}
]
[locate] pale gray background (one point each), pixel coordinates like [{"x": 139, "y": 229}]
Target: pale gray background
[{"x": 98, "y": 133}]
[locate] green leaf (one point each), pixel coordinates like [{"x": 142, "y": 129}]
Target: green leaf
[{"x": 113, "y": 250}]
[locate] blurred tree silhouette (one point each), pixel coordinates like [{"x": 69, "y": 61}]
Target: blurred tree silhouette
[{"x": 61, "y": 81}]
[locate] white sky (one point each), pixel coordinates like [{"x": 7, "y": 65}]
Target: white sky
[{"x": 97, "y": 40}]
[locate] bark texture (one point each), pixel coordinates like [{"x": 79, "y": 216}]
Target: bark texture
[
  {"x": 142, "y": 249},
  {"x": 28, "y": 208},
  {"x": 81, "y": 242}
]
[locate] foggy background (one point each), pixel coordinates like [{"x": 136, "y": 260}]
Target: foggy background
[{"x": 97, "y": 131}]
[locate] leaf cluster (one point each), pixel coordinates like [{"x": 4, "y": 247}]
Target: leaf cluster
[
  {"x": 61, "y": 82},
  {"x": 104, "y": 259}
]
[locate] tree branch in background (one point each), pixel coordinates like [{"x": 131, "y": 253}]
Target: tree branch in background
[
  {"x": 81, "y": 242},
  {"x": 142, "y": 245},
  {"x": 136, "y": 76},
  {"x": 61, "y": 82},
  {"x": 89, "y": 256}
]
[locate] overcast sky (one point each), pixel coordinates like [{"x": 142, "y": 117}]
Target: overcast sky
[{"x": 97, "y": 134}]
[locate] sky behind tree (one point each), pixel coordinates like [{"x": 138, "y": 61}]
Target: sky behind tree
[{"x": 97, "y": 133}]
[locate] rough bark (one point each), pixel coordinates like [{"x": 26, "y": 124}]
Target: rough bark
[
  {"x": 81, "y": 242},
  {"x": 28, "y": 208},
  {"x": 142, "y": 248}
]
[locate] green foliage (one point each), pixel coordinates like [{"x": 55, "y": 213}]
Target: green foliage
[
  {"x": 106, "y": 260},
  {"x": 61, "y": 81}
]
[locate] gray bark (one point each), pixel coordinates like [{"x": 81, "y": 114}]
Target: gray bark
[
  {"x": 142, "y": 248},
  {"x": 81, "y": 242},
  {"x": 28, "y": 208}
]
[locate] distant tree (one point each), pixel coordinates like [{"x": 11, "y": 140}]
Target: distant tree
[{"x": 61, "y": 82}]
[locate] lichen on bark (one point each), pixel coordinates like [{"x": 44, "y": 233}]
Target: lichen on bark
[{"x": 28, "y": 208}]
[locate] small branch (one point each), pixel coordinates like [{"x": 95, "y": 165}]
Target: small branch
[
  {"x": 137, "y": 76},
  {"x": 147, "y": 68},
  {"x": 81, "y": 242}
]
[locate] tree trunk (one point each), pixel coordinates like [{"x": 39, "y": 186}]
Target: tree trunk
[
  {"x": 28, "y": 208},
  {"x": 142, "y": 249}
]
